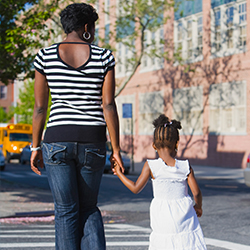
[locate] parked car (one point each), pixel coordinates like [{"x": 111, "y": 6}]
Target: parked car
[
  {"x": 126, "y": 160},
  {"x": 2, "y": 161},
  {"x": 247, "y": 172},
  {"x": 25, "y": 155}
]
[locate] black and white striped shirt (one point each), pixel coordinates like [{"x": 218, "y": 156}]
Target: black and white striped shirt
[{"x": 76, "y": 111}]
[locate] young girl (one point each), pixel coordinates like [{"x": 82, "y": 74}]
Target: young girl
[{"x": 173, "y": 217}]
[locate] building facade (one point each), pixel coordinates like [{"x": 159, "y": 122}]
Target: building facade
[
  {"x": 6, "y": 96},
  {"x": 208, "y": 92}
]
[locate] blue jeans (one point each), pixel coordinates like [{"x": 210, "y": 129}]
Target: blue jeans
[{"x": 74, "y": 173}]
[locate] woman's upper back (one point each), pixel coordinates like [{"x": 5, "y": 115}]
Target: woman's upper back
[
  {"x": 69, "y": 59},
  {"x": 75, "y": 55},
  {"x": 75, "y": 76}
]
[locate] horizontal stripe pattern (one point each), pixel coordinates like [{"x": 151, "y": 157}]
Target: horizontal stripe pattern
[{"x": 76, "y": 92}]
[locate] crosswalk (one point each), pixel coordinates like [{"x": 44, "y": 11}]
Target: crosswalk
[
  {"x": 118, "y": 237},
  {"x": 36, "y": 237}
]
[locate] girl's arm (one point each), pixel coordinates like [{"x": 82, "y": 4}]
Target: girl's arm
[
  {"x": 111, "y": 116},
  {"x": 41, "y": 92},
  {"x": 142, "y": 180},
  {"x": 196, "y": 192}
]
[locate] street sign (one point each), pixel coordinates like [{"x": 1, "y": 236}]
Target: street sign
[{"x": 127, "y": 110}]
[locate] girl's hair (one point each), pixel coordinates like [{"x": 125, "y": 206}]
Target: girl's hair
[
  {"x": 76, "y": 15},
  {"x": 166, "y": 133}
]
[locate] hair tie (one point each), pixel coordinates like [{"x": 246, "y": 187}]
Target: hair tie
[{"x": 167, "y": 124}]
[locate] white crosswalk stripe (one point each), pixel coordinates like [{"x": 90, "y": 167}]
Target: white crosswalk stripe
[
  {"x": 36, "y": 237},
  {"x": 118, "y": 237}
]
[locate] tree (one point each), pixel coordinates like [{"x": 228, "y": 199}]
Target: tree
[
  {"x": 25, "y": 105},
  {"x": 133, "y": 20},
  {"x": 21, "y": 32},
  {"x": 5, "y": 117}
]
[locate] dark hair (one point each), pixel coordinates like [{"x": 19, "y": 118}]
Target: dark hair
[
  {"x": 76, "y": 15},
  {"x": 166, "y": 133}
]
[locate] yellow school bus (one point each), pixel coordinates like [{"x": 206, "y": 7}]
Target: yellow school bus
[{"x": 13, "y": 138}]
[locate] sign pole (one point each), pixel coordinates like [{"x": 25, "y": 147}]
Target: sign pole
[
  {"x": 132, "y": 140},
  {"x": 127, "y": 112}
]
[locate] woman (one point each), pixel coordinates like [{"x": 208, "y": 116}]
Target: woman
[{"x": 80, "y": 77}]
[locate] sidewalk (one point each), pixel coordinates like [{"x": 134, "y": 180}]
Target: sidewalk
[
  {"x": 22, "y": 201},
  {"x": 18, "y": 200}
]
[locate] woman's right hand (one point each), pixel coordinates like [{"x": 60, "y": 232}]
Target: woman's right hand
[
  {"x": 116, "y": 158},
  {"x": 36, "y": 161}
]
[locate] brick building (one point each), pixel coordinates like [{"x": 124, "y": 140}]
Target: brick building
[
  {"x": 212, "y": 100},
  {"x": 6, "y": 96}
]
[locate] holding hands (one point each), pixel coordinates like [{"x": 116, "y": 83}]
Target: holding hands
[{"x": 116, "y": 163}]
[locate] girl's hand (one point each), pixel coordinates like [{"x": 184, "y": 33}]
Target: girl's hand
[
  {"x": 116, "y": 158},
  {"x": 198, "y": 210},
  {"x": 116, "y": 168},
  {"x": 36, "y": 161}
]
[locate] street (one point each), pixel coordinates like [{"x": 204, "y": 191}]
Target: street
[{"x": 225, "y": 221}]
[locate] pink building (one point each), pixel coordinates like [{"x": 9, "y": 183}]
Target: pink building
[
  {"x": 208, "y": 93},
  {"x": 211, "y": 98},
  {"x": 6, "y": 96}
]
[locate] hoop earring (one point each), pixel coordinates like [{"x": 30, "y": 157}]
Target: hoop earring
[{"x": 88, "y": 35}]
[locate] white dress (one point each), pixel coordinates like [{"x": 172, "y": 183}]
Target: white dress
[{"x": 173, "y": 219}]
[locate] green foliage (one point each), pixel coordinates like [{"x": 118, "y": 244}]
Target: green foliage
[
  {"x": 5, "y": 117},
  {"x": 133, "y": 20},
  {"x": 25, "y": 106},
  {"x": 21, "y": 32}
]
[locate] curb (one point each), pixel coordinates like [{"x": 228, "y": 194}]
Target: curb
[{"x": 30, "y": 214}]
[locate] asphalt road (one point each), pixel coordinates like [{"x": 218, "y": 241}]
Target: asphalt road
[{"x": 226, "y": 205}]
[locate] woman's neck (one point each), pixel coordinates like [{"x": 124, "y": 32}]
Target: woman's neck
[{"x": 73, "y": 37}]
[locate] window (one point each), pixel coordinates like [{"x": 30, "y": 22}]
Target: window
[
  {"x": 107, "y": 10},
  {"x": 228, "y": 27},
  {"x": 179, "y": 36},
  {"x": 119, "y": 58},
  {"x": 242, "y": 23},
  {"x": 227, "y": 105},
  {"x": 150, "y": 107},
  {"x": 199, "y": 35},
  {"x": 125, "y": 123},
  {"x": 123, "y": 60},
  {"x": 145, "y": 57},
  {"x": 188, "y": 109},
  {"x": 107, "y": 21},
  {"x": 217, "y": 42},
  {"x": 153, "y": 47},
  {"x": 188, "y": 30},
  {"x": 3, "y": 92},
  {"x": 189, "y": 39},
  {"x": 96, "y": 41},
  {"x": 107, "y": 32}
]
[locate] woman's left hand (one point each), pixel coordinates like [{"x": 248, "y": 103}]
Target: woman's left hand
[{"x": 36, "y": 161}]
